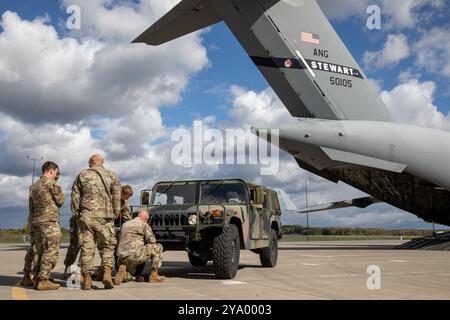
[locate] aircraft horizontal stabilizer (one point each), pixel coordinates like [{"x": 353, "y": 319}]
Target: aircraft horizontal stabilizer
[
  {"x": 188, "y": 16},
  {"x": 359, "y": 203}
]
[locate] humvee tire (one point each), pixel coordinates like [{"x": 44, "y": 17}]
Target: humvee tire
[
  {"x": 226, "y": 251},
  {"x": 269, "y": 255},
  {"x": 197, "y": 261}
]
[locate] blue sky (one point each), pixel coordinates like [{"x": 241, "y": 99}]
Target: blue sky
[
  {"x": 212, "y": 63},
  {"x": 230, "y": 63}
]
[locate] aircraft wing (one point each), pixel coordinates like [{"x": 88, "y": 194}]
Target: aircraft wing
[{"x": 359, "y": 203}]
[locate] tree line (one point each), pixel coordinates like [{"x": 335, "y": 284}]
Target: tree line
[{"x": 346, "y": 231}]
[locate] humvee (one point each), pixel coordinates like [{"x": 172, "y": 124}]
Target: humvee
[{"x": 214, "y": 219}]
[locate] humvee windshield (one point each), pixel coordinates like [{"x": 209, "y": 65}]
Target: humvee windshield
[
  {"x": 222, "y": 193},
  {"x": 167, "y": 194},
  {"x": 210, "y": 193}
]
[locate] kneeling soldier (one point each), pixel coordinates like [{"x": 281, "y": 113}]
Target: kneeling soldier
[{"x": 137, "y": 245}]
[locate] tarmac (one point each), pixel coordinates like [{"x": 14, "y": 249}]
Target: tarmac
[{"x": 305, "y": 270}]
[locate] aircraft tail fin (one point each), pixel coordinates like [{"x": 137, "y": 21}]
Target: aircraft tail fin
[
  {"x": 303, "y": 58},
  {"x": 188, "y": 16}
]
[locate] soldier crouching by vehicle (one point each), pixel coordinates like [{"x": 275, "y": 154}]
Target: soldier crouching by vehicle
[
  {"x": 45, "y": 199},
  {"x": 137, "y": 245}
]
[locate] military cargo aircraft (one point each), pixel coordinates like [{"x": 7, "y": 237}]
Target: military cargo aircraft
[{"x": 344, "y": 131}]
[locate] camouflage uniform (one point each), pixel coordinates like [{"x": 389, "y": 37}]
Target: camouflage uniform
[
  {"x": 30, "y": 257},
  {"x": 45, "y": 200},
  {"x": 74, "y": 246},
  {"x": 96, "y": 204},
  {"x": 125, "y": 215},
  {"x": 138, "y": 245},
  {"x": 125, "y": 211}
]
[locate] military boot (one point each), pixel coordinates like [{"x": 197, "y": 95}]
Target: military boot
[
  {"x": 87, "y": 281},
  {"x": 36, "y": 280},
  {"x": 107, "y": 279},
  {"x": 120, "y": 275},
  {"x": 98, "y": 274},
  {"x": 45, "y": 284},
  {"x": 26, "y": 280},
  {"x": 155, "y": 278}
]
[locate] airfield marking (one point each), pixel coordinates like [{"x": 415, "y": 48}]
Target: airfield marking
[
  {"x": 19, "y": 293},
  {"x": 399, "y": 261},
  {"x": 315, "y": 256},
  {"x": 310, "y": 264},
  {"x": 294, "y": 291},
  {"x": 189, "y": 291},
  {"x": 128, "y": 294},
  {"x": 232, "y": 282}
]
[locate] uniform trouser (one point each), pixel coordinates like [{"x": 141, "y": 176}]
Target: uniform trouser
[
  {"x": 47, "y": 237},
  {"x": 30, "y": 257},
  {"x": 96, "y": 231},
  {"x": 74, "y": 246},
  {"x": 153, "y": 252}
]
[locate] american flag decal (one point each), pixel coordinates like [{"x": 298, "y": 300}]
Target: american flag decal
[{"x": 310, "y": 38}]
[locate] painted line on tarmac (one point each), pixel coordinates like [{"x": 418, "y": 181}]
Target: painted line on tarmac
[
  {"x": 315, "y": 256},
  {"x": 398, "y": 261},
  {"x": 232, "y": 282},
  {"x": 189, "y": 291},
  {"x": 310, "y": 264},
  {"x": 19, "y": 293}
]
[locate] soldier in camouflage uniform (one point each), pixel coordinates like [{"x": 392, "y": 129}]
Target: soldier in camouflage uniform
[
  {"x": 124, "y": 216},
  {"x": 96, "y": 204},
  {"x": 125, "y": 210},
  {"x": 74, "y": 246},
  {"x": 45, "y": 200},
  {"x": 138, "y": 245}
]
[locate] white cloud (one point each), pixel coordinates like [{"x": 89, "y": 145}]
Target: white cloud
[
  {"x": 68, "y": 79},
  {"x": 408, "y": 13},
  {"x": 56, "y": 90},
  {"x": 395, "y": 50},
  {"x": 343, "y": 9},
  {"x": 251, "y": 108},
  {"x": 411, "y": 103},
  {"x": 105, "y": 19},
  {"x": 433, "y": 51}
]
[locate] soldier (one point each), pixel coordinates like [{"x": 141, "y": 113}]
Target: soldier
[
  {"x": 138, "y": 245},
  {"x": 96, "y": 204},
  {"x": 74, "y": 246},
  {"x": 125, "y": 211},
  {"x": 45, "y": 200},
  {"x": 124, "y": 216}
]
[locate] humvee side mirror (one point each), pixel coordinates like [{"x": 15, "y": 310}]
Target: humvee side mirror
[{"x": 145, "y": 198}]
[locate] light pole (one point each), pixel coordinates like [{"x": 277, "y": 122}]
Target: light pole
[
  {"x": 307, "y": 180},
  {"x": 34, "y": 165}
]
